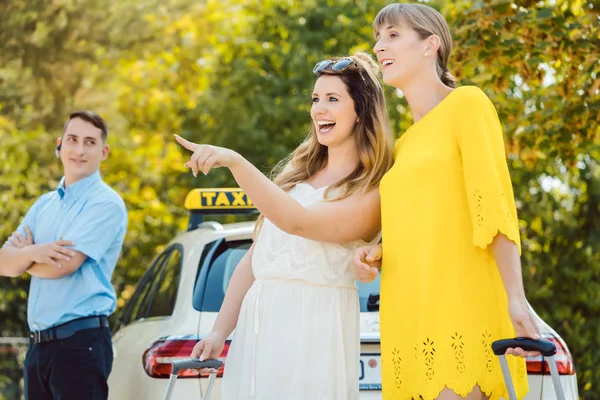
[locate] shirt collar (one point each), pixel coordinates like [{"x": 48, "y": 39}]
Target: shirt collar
[{"x": 78, "y": 188}]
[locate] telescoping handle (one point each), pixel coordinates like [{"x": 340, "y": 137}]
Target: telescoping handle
[
  {"x": 192, "y": 363},
  {"x": 544, "y": 347}
]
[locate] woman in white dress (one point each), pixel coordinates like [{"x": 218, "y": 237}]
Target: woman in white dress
[{"x": 293, "y": 299}]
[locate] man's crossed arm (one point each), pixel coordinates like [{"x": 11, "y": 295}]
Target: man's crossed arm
[{"x": 49, "y": 260}]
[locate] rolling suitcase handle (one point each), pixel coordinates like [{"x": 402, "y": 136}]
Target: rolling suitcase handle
[
  {"x": 546, "y": 348},
  {"x": 192, "y": 363}
]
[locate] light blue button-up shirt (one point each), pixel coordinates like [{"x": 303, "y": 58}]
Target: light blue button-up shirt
[{"x": 91, "y": 214}]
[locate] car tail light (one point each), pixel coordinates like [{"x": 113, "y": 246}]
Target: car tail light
[
  {"x": 564, "y": 360},
  {"x": 158, "y": 358}
]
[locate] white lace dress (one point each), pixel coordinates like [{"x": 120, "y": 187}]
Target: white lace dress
[{"x": 297, "y": 336}]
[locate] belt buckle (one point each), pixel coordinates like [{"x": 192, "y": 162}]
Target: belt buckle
[{"x": 36, "y": 337}]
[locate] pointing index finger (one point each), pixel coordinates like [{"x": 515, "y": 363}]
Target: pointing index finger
[{"x": 185, "y": 143}]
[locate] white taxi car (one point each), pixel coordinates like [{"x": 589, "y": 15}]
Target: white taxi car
[{"x": 176, "y": 301}]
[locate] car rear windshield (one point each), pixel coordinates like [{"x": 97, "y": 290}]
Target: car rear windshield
[{"x": 219, "y": 260}]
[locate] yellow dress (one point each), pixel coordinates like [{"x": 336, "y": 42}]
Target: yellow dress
[{"x": 442, "y": 298}]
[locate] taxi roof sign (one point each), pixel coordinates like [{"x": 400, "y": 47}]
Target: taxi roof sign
[
  {"x": 222, "y": 199},
  {"x": 201, "y": 202}
]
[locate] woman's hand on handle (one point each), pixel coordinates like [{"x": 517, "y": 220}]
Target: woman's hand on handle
[
  {"x": 210, "y": 347},
  {"x": 367, "y": 262},
  {"x": 524, "y": 325}
]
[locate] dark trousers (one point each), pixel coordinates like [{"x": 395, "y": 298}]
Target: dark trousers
[{"x": 72, "y": 368}]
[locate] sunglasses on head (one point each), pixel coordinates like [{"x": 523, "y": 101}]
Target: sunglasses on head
[{"x": 337, "y": 66}]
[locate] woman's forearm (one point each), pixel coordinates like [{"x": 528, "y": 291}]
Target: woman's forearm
[
  {"x": 506, "y": 254},
  {"x": 355, "y": 217},
  {"x": 240, "y": 282},
  {"x": 274, "y": 203}
]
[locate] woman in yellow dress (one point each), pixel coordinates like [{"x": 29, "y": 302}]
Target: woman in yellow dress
[{"x": 451, "y": 279}]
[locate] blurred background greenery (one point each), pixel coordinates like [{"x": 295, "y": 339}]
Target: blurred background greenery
[{"x": 238, "y": 73}]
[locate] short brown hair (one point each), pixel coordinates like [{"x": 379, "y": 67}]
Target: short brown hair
[{"x": 92, "y": 118}]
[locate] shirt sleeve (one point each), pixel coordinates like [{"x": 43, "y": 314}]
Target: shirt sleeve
[
  {"x": 97, "y": 227},
  {"x": 28, "y": 221},
  {"x": 487, "y": 179}
]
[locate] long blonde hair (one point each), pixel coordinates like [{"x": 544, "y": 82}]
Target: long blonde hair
[
  {"x": 426, "y": 21},
  {"x": 372, "y": 132}
]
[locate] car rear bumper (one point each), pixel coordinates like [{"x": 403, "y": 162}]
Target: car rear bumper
[{"x": 541, "y": 387}]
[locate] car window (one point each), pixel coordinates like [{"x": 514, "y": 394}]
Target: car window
[
  {"x": 224, "y": 260},
  {"x": 157, "y": 289},
  {"x": 162, "y": 302},
  {"x": 140, "y": 297},
  {"x": 209, "y": 295}
]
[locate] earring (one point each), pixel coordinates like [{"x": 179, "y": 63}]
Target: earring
[{"x": 425, "y": 54}]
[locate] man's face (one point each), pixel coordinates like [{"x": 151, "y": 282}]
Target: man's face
[{"x": 82, "y": 150}]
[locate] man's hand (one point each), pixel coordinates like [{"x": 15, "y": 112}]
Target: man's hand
[
  {"x": 17, "y": 240},
  {"x": 50, "y": 253},
  {"x": 367, "y": 261}
]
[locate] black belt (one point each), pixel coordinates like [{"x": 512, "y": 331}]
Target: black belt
[{"x": 68, "y": 329}]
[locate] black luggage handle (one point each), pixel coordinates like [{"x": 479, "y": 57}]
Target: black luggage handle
[
  {"x": 546, "y": 348},
  {"x": 194, "y": 363}
]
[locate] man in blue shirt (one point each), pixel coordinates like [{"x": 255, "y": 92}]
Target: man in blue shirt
[{"x": 69, "y": 243}]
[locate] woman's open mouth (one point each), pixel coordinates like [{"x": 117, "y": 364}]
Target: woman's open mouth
[{"x": 325, "y": 126}]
